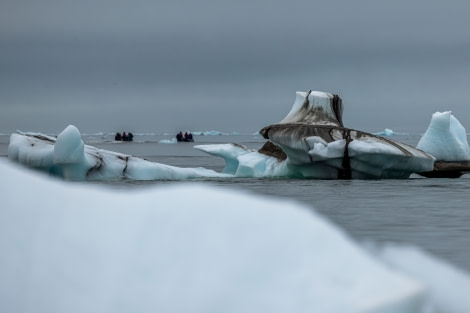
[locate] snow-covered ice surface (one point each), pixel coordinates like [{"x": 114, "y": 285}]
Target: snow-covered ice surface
[
  {"x": 68, "y": 157},
  {"x": 79, "y": 248},
  {"x": 445, "y": 138}
]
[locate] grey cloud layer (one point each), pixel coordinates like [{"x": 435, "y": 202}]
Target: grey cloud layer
[{"x": 74, "y": 55}]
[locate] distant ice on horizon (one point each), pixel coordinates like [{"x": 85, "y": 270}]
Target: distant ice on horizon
[{"x": 212, "y": 133}]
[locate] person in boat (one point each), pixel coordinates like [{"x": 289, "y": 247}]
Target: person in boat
[
  {"x": 124, "y": 136},
  {"x": 187, "y": 137},
  {"x": 118, "y": 136},
  {"x": 130, "y": 137}
]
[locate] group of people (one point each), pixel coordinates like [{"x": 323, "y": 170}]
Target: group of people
[
  {"x": 124, "y": 137},
  {"x": 186, "y": 137}
]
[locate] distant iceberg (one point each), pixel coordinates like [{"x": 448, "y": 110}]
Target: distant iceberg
[
  {"x": 209, "y": 133},
  {"x": 81, "y": 248},
  {"x": 169, "y": 141},
  {"x": 387, "y": 132}
]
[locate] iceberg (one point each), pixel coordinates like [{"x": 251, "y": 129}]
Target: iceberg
[
  {"x": 311, "y": 142},
  {"x": 83, "y": 248},
  {"x": 68, "y": 157},
  {"x": 243, "y": 162},
  {"x": 446, "y": 140},
  {"x": 387, "y": 132}
]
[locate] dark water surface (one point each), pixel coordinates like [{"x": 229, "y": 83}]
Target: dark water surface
[{"x": 433, "y": 214}]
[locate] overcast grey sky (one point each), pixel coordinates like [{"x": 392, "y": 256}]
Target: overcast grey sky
[{"x": 146, "y": 65}]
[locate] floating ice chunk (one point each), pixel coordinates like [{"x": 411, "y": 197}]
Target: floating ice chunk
[
  {"x": 445, "y": 138},
  {"x": 387, "y": 132},
  {"x": 69, "y": 158},
  {"x": 170, "y": 141},
  {"x": 158, "y": 251}
]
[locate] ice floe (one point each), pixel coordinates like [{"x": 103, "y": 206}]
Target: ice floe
[{"x": 66, "y": 156}]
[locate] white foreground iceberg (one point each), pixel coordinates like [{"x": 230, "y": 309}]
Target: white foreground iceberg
[
  {"x": 77, "y": 248},
  {"x": 445, "y": 138},
  {"x": 66, "y": 156}
]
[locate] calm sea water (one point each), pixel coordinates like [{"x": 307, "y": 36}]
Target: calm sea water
[{"x": 433, "y": 214}]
